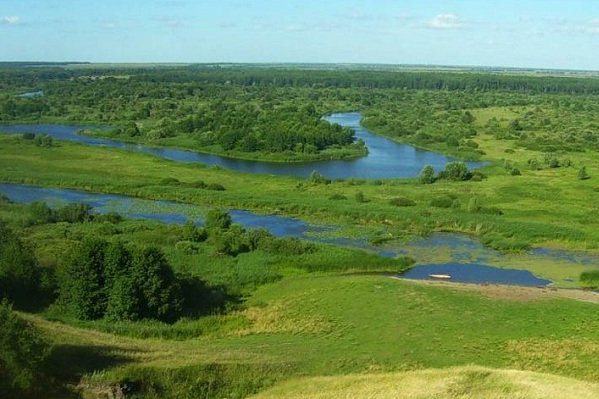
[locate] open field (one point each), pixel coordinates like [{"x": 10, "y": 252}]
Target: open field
[
  {"x": 460, "y": 382},
  {"x": 342, "y": 325}
]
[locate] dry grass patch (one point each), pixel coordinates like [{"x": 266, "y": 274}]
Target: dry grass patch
[
  {"x": 469, "y": 382},
  {"x": 279, "y": 317},
  {"x": 574, "y": 357},
  {"x": 516, "y": 293}
]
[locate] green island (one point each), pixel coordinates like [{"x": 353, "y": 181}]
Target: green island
[{"x": 98, "y": 305}]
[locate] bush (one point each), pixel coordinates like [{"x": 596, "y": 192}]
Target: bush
[
  {"x": 402, "y": 202},
  {"x": 455, "y": 171},
  {"x": 445, "y": 202},
  {"x": 337, "y": 197},
  {"x": 217, "y": 219},
  {"x": 19, "y": 274},
  {"x": 215, "y": 187},
  {"x": 360, "y": 198},
  {"x": 169, "y": 181},
  {"x": 318, "y": 178},
  {"x": 22, "y": 352},
  {"x": 515, "y": 172},
  {"x": 198, "y": 184},
  {"x": 427, "y": 175},
  {"x": 110, "y": 217},
  {"x": 589, "y": 279},
  {"x": 582, "y": 173}
]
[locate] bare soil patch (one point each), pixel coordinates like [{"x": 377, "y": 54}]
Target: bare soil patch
[{"x": 516, "y": 293}]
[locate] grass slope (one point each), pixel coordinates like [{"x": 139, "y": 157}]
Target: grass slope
[
  {"x": 332, "y": 326},
  {"x": 469, "y": 382}
]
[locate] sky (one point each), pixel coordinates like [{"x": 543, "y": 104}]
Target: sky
[{"x": 555, "y": 34}]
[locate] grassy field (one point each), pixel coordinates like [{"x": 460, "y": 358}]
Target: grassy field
[
  {"x": 468, "y": 382},
  {"x": 343, "y": 325}
]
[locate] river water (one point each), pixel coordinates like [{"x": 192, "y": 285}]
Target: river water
[
  {"x": 463, "y": 269},
  {"x": 386, "y": 159}
]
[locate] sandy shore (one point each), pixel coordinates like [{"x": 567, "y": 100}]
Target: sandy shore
[{"x": 514, "y": 292}]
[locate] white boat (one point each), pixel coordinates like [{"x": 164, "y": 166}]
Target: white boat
[{"x": 440, "y": 276}]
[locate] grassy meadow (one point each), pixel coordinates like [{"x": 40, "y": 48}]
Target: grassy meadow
[{"x": 359, "y": 326}]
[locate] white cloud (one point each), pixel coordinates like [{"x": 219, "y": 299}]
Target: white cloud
[
  {"x": 446, "y": 21},
  {"x": 296, "y": 28},
  {"x": 171, "y": 22},
  {"x": 10, "y": 20},
  {"x": 591, "y": 27},
  {"x": 358, "y": 15}
]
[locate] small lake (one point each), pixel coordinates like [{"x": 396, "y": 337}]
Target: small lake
[
  {"x": 386, "y": 159},
  {"x": 464, "y": 269}
]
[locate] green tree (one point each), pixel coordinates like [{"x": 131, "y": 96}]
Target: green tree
[
  {"x": 82, "y": 280},
  {"x": 22, "y": 352},
  {"x": 157, "y": 292},
  {"x": 456, "y": 171},
  {"x": 468, "y": 118},
  {"x": 427, "y": 175},
  {"x": 218, "y": 219},
  {"x": 19, "y": 274}
]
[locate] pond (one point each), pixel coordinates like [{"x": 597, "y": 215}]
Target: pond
[
  {"x": 386, "y": 159},
  {"x": 464, "y": 267}
]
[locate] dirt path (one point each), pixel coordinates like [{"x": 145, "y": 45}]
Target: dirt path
[{"x": 514, "y": 292}]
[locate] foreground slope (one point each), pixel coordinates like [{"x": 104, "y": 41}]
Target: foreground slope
[{"x": 455, "y": 383}]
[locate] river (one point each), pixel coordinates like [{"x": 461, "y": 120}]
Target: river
[
  {"x": 386, "y": 159},
  {"x": 463, "y": 267}
]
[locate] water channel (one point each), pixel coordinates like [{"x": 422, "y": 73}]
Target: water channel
[
  {"x": 386, "y": 159},
  {"x": 462, "y": 268}
]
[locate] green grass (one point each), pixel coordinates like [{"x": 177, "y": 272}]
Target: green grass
[
  {"x": 548, "y": 207},
  {"x": 470, "y": 382},
  {"x": 339, "y": 325}
]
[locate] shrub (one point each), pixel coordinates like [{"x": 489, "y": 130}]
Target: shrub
[
  {"x": 445, "y": 202},
  {"x": 19, "y": 274},
  {"x": 360, "y": 198},
  {"x": 337, "y": 197},
  {"x": 401, "y": 201},
  {"x": 589, "y": 279},
  {"x": 455, "y": 171},
  {"x": 22, "y": 352},
  {"x": 515, "y": 172},
  {"x": 217, "y": 219},
  {"x": 198, "y": 184},
  {"x": 215, "y": 187},
  {"x": 169, "y": 181},
  {"x": 582, "y": 173},
  {"x": 427, "y": 175},
  {"x": 318, "y": 178}
]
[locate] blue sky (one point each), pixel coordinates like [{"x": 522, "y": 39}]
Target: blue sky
[{"x": 523, "y": 33}]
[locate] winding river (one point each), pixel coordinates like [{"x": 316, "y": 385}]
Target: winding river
[
  {"x": 463, "y": 268},
  {"x": 386, "y": 159}
]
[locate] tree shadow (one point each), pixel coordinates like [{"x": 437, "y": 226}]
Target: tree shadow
[
  {"x": 70, "y": 362},
  {"x": 200, "y": 299}
]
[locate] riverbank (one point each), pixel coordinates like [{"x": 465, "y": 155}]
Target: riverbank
[{"x": 513, "y": 292}]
